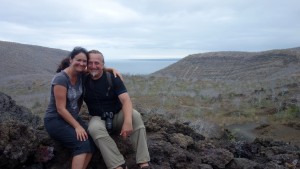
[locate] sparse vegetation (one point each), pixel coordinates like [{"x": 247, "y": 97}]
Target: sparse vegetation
[
  {"x": 186, "y": 101},
  {"x": 220, "y": 87},
  {"x": 195, "y": 100}
]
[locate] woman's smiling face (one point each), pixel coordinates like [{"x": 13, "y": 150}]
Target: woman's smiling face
[{"x": 79, "y": 62}]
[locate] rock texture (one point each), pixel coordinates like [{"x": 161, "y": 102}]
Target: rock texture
[{"x": 25, "y": 144}]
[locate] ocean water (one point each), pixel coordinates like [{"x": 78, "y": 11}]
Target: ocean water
[{"x": 139, "y": 66}]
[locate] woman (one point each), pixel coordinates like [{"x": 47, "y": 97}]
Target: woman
[{"x": 62, "y": 120}]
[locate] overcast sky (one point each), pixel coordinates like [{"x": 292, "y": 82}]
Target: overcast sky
[{"x": 152, "y": 28}]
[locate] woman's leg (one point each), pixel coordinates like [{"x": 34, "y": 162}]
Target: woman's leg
[
  {"x": 61, "y": 131},
  {"x": 81, "y": 161},
  {"x": 78, "y": 161},
  {"x": 87, "y": 160}
]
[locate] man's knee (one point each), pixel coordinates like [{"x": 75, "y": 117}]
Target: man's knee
[
  {"x": 136, "y": 115},
  {"x": 137, "y": 120},
  {"x": 97, "y": 128}
]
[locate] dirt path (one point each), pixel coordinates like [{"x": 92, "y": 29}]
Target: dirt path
[
  {"x": 244, "y": 131},
  {"x": 278, "y": 132}
]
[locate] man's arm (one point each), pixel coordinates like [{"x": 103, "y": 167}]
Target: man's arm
[{"x": 127, "y": 110}]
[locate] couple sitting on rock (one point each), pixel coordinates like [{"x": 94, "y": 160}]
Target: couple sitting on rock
[{"x": 108, "y": 103}]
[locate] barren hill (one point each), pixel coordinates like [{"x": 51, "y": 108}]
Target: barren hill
[
  {"x": 22, "y": 59},
  {"x": 267, "y": 65}
]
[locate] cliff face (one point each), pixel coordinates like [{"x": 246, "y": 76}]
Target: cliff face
[
  {"x": 268, "y": 65},
  {"x": 25, "y": 144}
]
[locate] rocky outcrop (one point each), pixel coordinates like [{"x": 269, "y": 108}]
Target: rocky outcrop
[
  {"x": 25, "y": 144},
  {"x": 9, "y": 111}
]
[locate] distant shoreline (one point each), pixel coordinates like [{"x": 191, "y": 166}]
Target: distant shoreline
[
  {"x": 163, "y": 59},
  {"x": 140, "y": 66}
]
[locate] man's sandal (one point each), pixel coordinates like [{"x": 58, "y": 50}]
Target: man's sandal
[
  {"x": 124, "y": 166},
  {"x": 145, "y": 167}
]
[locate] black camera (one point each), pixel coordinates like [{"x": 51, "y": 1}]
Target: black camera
[{"x": 108, "y": 117}]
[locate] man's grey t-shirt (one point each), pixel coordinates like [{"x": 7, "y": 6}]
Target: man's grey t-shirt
[{"x": 74, "y": 92}]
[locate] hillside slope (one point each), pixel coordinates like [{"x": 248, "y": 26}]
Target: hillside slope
[
  {"x": 18, "y": 60},
  {"x": 22, "y": 59},
  {"x": 267, "y": 65}
]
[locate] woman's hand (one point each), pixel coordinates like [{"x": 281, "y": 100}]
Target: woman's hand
[
  {"x": 115, "y": 72},
  {"x": 81, "y": 133}
]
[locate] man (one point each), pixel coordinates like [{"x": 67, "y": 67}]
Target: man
[{"x": 106, "y": 95}]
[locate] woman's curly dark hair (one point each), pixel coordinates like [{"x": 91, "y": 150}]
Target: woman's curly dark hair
[{"x": 66, "y": 61}]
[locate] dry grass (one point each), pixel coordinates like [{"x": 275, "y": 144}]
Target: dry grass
[
  {"x": 182, "y": 100},
  {"x": 223, "y": 104},
  {"x": 222, "y": 87}
]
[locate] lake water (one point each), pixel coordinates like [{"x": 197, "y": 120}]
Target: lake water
[{"x": 139, "y": 66}]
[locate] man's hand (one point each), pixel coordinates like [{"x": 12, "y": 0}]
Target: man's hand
[{"x": 126, "y": 130}]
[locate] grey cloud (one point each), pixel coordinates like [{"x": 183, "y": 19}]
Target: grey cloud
[{"x": 166, "y": 25}]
